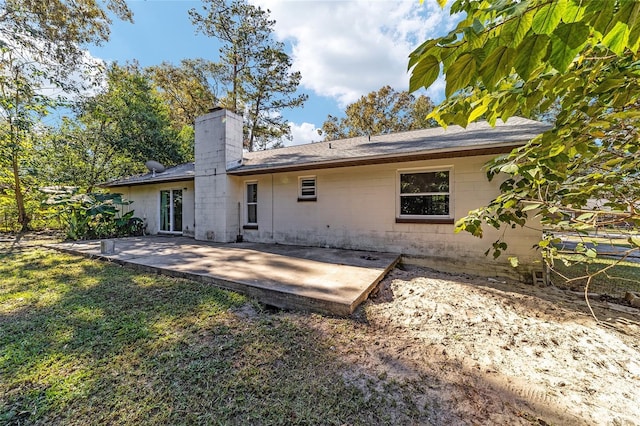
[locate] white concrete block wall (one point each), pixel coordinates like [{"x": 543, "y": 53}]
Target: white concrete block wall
[
  {"x": 146, "y": 203},
  {"x": 356, "y": 208}
]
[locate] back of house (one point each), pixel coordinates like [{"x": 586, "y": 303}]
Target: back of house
[{"x": 398, "y": 193}]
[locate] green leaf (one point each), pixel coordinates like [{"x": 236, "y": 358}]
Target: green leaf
[
  {"x": 561, "y": 54},
  {"x": 611, "y": 83},
  {"x": 618, "y": 38},
  {"x": 547, "y": 18},
  {"x": 511, "y": 169},
  {"x": 573, "y": 12},
  {"x": 497, "y": 65},
  {"x": 424, "y": 73},
  {"x": 634, "y": 37},
  {"x": 585, "y": 217},
  {"x": 477, "y": 112},
  {"x": 517, "y": 28},
  {"x": 531, "y": 206},
  {"x": 628, "y": 12},
  {"x": 566, "y": 42},
  {"x": 420, "y": 52},
  {"x": 600, "y": 14},
  {"x": 573, "y": 35},
  {"x": 530, "y": 54},
  {"x": 460, "y": 73},
  {"x": 556, "y": 149}
]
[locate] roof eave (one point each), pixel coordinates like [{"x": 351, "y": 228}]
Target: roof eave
[
  {"x": 493, "y": 149},
  {"x": 146, "y": 182}
]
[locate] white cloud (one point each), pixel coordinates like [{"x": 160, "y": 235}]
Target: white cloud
[
  {"x": 46, "y": 75},
  {"x": 303, "y": 133},
  {"x": 346, "y": 49}
]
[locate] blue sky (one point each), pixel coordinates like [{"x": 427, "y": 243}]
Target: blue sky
[{"x": 344, "y": 49}]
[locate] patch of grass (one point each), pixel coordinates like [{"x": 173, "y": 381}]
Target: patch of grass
[
  {"x": 615, "y": 281},
  {"x": 86, "y": 342}
]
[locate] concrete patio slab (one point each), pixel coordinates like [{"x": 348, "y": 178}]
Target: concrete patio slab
[{"x": 316, "y": 279}]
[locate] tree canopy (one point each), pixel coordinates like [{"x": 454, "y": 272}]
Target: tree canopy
[
  {"x": 530, "y": 55},
  {"x": 41, "y": 47},
  {"x": 257, "y": 72},
  {"x": 380, "y": 112},
  {"x": 115, "y": 133},
  {"x": 189, "y": 89}
]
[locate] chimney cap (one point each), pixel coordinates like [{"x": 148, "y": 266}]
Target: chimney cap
[{"x": 215, "y": 108}]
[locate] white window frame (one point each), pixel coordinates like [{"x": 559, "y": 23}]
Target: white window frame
[
  {"x": 247, "y": 203},
  {"x": 301, "y": 195},
  {"x": 435, "y": 169}
]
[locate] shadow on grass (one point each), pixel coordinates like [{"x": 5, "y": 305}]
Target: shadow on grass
[
  {"x": 79, "y": 318},
  {"x": 97, "y": 343},
  {"x": 93, "y": 343}
]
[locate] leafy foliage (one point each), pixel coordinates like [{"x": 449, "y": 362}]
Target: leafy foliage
[
  {"x": 95, "y": 215},
  {"x": 256, "y": 69},
  {"x": 21, "y": 107},
  {"x": 40, "y": 48},
  {"x": 189, "y": 90},
  {"x": 526, "y": 56},
  {"x": 384, "y": 111},
  {"x": 115, "y": 132},
  {"x": 268, "y": 91}
]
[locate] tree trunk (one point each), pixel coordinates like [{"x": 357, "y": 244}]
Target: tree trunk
[
  {"x": 254, "y": 125},
  {"x": 23, "y": 217}
]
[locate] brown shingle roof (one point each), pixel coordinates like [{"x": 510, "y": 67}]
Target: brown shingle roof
[
  {"x": 477, "y": 139},
  {"x": 455, "y": 141}
]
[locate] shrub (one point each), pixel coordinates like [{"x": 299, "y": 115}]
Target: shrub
[{"x": 95, "y": 215}]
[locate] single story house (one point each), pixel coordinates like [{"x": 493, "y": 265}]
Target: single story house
[{"x": 398, "y": 193}]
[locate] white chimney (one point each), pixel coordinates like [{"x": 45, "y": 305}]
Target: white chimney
[{"x": 218, "y": 147}]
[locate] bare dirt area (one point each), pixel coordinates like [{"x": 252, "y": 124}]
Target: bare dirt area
[{"x": 474, "y": 350}]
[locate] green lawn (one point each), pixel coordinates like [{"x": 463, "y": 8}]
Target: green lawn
[{"x": 86, "y": 342}]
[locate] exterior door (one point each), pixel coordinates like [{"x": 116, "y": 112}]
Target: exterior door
[{"x": 171, "y": 210}]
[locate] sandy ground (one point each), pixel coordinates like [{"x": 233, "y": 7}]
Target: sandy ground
[{"x": 481, "y": 351}]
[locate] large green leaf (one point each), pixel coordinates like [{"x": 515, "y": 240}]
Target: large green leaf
[
  {"x": 530, "y": 54},
  {"x": 547, "y": 18},
  {"x": 573, "y": 35},
  {"x": 420, "y": 52},
  {"x": 566, "y": 41},
  {"x": 561, "y": 54},
  {"x": 574, "y": 12},
  {"x": 600, "y": 14},
  {"x": 478, "y": 111},
  {"x": 628, "y": 12},
  {"x": 424, "y": 73},
  {"x": 518, "y": 27},
  {"x": 497, "y": 65},
  {"x": 618, "y": 38},
  {"x": 634, "y": 37},
  {"x": 460, "y": 73}
]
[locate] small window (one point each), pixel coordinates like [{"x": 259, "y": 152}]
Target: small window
[
  {"x": 425, "y": 194},
  {"x": 252, "y": 203},
  {"x": 307, "y": 189}
]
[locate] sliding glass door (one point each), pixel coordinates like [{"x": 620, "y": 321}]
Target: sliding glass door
[{"x": 171, "y": 210}]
